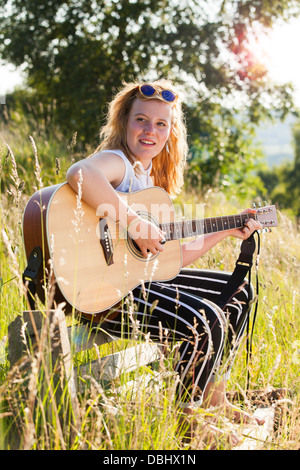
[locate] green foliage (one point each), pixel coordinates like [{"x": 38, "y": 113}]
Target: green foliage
[
  {"x": 36, "y": 154},
  {"x": 223, "y": 155},
  {"x": 282, "y": 182},
  {"x": 78, "y": 53},
  {"x": 293, "y": 186}
]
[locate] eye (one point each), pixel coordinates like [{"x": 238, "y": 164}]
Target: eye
[{"x": 161, "y": 124}]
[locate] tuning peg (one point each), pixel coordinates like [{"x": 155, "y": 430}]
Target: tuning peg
[
  {"x": 254, "y": 205},
  {"x": 265, "y": 203},
  {"x": 259, "y": 204}
]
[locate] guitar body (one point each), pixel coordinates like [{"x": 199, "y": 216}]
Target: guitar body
[{"x": 94, "y": 263}]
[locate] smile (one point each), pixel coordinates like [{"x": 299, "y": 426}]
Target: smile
[{"x": 147, "y": 142}]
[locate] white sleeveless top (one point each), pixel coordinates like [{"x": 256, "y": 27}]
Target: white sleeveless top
[{"x": 131, "y": 181}]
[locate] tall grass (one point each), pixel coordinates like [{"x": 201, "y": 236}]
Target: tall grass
[{"x": 137, "y": 411}]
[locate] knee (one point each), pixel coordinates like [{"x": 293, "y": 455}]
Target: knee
[{"x": 212, "y": 327}]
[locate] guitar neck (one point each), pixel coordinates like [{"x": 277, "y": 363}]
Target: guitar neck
[{"x": 191, "y": 228}]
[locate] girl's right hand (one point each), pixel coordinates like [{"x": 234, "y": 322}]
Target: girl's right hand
[{"x": 148, "y": 236}]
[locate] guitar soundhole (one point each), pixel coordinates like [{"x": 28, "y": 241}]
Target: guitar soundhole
[
  {"x": 135, "y": 246},
  {"x": 135, "y": 250},
  {"x": 132, "y": 245}
]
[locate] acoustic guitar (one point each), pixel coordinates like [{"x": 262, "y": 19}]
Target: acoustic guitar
[{"x": 92, "y": 262}]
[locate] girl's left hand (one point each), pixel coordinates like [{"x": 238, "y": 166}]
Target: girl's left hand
[{"x": 250, "y": 226}]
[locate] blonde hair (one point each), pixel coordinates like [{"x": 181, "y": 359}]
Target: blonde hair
[{"x": 168, "y": 165}]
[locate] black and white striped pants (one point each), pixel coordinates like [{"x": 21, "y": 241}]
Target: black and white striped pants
[{"x": 185, "y": 308}]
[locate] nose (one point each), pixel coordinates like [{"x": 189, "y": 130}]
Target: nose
[{"x": 149, "y": 128}]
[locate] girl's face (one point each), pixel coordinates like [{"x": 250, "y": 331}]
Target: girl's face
[{"x": 148, "y": 129}]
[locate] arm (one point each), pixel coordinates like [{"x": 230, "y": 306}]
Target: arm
[
  {"x": 193, "y": 250},
  {"x": 100, "y": 175}
]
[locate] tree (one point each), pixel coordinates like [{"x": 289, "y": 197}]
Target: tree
[
  {"x": 293, "y": 179},
  {"x": 77, "y": 53},
  {"x": 282, "y": 182}
]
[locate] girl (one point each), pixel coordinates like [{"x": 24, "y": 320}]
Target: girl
[{"x": 143, "y": 143}]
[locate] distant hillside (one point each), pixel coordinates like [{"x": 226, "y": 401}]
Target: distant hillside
[{"x": 277, "y": 141}]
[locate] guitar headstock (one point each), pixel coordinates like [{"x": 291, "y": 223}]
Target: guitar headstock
[{"x": 267, "y": 216}]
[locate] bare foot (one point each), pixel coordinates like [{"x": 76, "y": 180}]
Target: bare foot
[
  {"x": 216, "y": 400},
  {"x": 237, "y": 415}
]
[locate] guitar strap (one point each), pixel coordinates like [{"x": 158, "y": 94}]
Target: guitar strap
[
  {"x": 242, "y": 269},
  {"x": 30, "y": 274}
]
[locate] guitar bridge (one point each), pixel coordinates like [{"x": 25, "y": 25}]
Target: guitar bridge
[{"x": 106, "y": 242}]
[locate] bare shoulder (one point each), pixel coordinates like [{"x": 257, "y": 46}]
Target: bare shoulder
[
  {"x": 109, "y": 163},
  {"x": 106, "y": 156}
]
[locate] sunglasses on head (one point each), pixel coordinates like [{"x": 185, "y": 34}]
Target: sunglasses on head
[{"x": 148, "y": 91}]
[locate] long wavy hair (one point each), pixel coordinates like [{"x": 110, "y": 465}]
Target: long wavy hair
[{"x": 168, "y": 165}]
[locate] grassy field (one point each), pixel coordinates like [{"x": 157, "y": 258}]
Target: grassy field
[{"x": 143, "y": 419}]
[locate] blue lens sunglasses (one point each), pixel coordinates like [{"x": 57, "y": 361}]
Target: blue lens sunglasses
[{"x": 148, "y": 91}]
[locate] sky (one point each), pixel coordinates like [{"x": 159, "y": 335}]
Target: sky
[{"x": 280, "y": 51}]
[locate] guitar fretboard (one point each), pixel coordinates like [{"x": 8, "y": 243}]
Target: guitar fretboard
[{"x": 191, "y": 228}]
